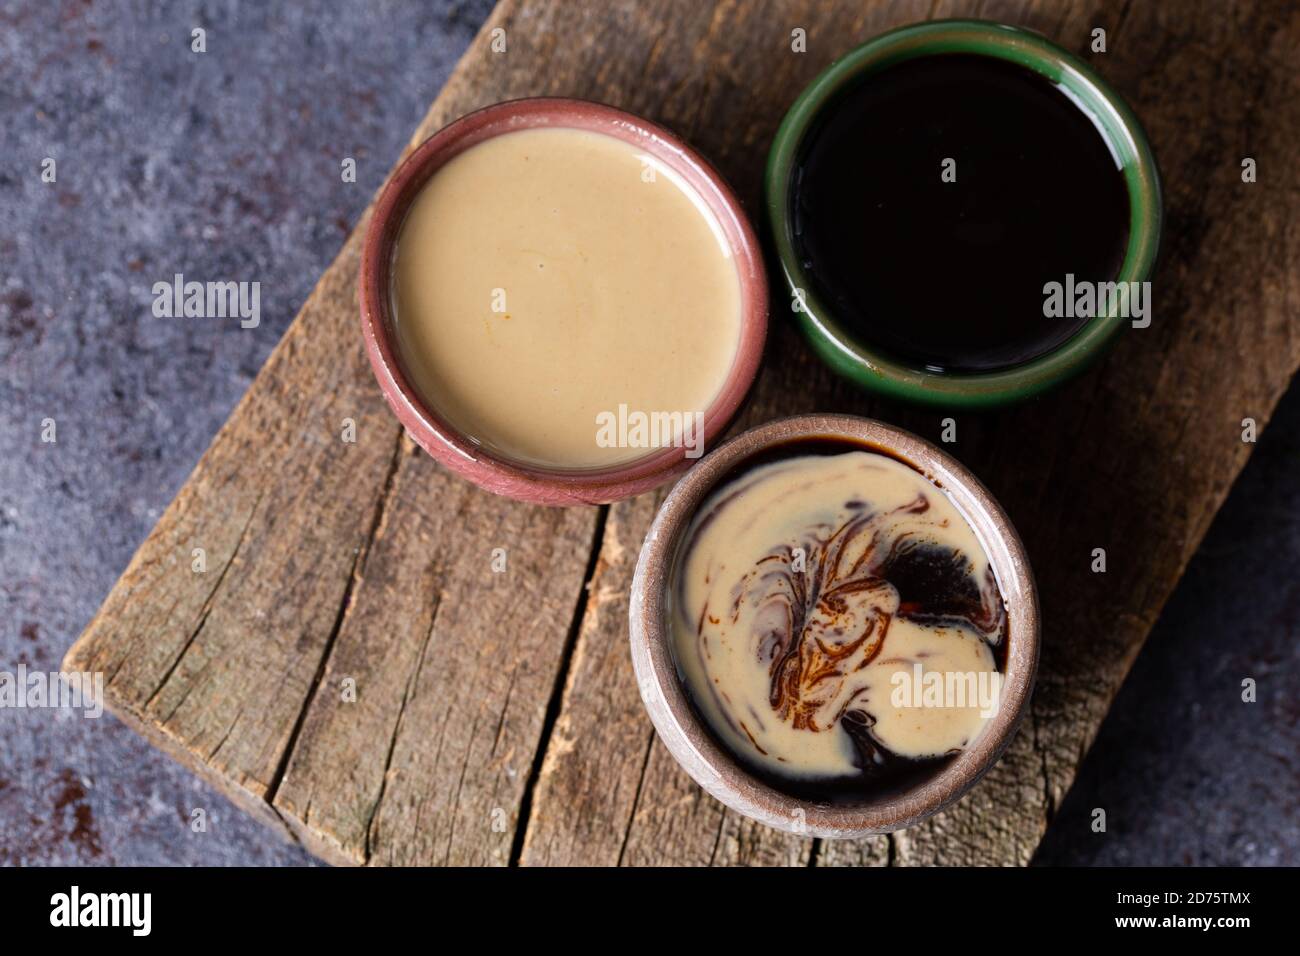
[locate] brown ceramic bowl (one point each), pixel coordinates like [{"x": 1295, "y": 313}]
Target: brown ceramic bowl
[
  {"x": 455, "y": 450},
  {"x": 694, "y": 746}
]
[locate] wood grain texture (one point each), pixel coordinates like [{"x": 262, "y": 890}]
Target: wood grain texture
[
  {"x": 450, "y": 693},
  {"x": 491, "y": 724}
]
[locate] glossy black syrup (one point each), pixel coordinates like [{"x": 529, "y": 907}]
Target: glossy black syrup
[{"x": 950, "y": 275}]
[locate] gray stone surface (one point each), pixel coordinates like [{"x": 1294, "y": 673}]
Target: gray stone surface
[{"x": 225, "y": 166}]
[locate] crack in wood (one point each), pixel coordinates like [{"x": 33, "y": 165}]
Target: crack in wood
[
  {"x": 290, "y": 834},
  {"x": 717, "y": 837},
  {"x": 556, "y": 700},
  {"x": 505, "y": 709},
  {"x": 205, "y": 610},
  {"x": 636, "y": 798},
  {"x": 1119, "y": 22},
  {"x": 1049, "y": 804},
  {"x": 357, "y": 569},
  {"x": 455, "y": 801},
  {"x": 226, "y": 736},
  {"x": 814, "y": 852},
  {"x": 397, "y": 729}
]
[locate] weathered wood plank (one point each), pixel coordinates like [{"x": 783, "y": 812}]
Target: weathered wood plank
[
  {"x": 452, "y": 663},
  {"x": 330, "y": 561},
  {"x": 1135, "y": 457}
]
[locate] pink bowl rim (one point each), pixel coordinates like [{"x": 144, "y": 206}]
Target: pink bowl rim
[{"x": 470, "y": 460}]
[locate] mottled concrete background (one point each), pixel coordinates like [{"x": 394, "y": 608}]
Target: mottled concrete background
[{"x": 226, "y": 166}]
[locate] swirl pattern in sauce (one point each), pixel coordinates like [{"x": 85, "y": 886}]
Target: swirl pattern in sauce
[{"x": 805, "y": 586}]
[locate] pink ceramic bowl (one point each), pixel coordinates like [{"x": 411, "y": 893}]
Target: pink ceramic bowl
[{"x": 457, "y": 451}]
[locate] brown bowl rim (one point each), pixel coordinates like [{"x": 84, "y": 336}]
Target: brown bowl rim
[
  {"x": 695, "y": 747},
  {"x": 467, "y": 458}
]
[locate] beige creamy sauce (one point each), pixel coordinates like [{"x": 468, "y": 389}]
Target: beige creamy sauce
[
  {"x": 546, "y": 276},
  {"x": 776, "y": 657}
]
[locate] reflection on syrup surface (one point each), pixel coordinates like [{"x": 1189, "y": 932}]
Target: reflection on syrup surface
[
  {"x": 947, "y": 272},
  {"x": 805, "y": 586}
]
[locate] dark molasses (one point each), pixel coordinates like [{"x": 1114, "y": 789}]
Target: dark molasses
[{"x": 935, "y": 199}]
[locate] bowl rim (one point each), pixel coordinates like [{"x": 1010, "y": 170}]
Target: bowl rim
[
  {"x": 1119, "y": 126},
  {"x": 434, "y": 433},
  {"x": 696, "y": 748}
]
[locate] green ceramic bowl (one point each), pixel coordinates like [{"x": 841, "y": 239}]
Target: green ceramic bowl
[{"x": 883, "y": 373}]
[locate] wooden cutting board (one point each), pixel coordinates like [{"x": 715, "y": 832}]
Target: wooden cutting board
[{"x": 350, "y": 668}]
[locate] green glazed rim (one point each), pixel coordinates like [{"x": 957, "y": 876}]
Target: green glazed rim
[{"x": 1120, "y": 127}]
